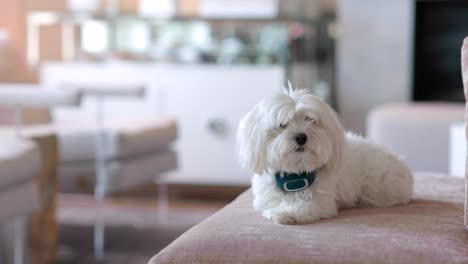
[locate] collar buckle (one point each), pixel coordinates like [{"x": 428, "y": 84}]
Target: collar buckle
[{"x": 294, "y": 182}]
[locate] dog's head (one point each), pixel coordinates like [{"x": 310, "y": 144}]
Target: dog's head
[{"x": 293, "y": 131}]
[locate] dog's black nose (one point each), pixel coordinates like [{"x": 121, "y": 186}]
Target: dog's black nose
[{"x": 300, "y": 138}]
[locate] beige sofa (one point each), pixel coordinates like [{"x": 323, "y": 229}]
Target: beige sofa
[
  {"x": 430, "y": 229},
  {"x": 20, "y": 165}
]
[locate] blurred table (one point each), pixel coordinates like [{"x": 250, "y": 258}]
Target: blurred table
[{"x": 43, "y": 227}]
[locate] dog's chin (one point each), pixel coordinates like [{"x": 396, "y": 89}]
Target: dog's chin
[{"x": 299, "y": 159}]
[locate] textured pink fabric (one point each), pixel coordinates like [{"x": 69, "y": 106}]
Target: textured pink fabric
[
  {"x": 464, "y": 62},
  {"x": 428, "y": 230}
]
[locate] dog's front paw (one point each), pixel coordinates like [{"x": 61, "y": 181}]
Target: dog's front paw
[{"x": 280, "y": 217}]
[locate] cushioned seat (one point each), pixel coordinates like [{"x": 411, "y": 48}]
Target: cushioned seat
[
  {"x": 123, "y": 174},
  {"x": 18, "y": 200},
  {"x": 428, "y": 230},
  {"x": 136, "y": 151},
  {"x": 123, "y": 139},
  {"x": 20, "y": 162}
]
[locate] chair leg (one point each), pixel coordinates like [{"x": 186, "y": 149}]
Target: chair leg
[
  {"x": 18, "y": 241},
  {"x": 3, "y": 246},
  {"x": 163, "y": 204},
  {"x": 99, "y": 228},
  {"x": 99, "y": 198},
  {"x": 101, "y": 177}
]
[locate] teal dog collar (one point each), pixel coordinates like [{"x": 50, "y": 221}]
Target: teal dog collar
[{"x": 293, "y": 182}]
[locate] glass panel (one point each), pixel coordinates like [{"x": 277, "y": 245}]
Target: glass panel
[
  {"x": 132, "y": 35},
  {"x": 218, "y": 42}
]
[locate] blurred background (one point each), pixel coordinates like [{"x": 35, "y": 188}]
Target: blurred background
[
  {"x": 132, "y": 106},
  {"x": 297, "y": 36}
]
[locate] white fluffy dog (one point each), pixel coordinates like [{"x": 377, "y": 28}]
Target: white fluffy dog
[{"x": 306, "y": 167}]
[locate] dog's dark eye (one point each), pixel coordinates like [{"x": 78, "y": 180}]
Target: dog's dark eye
[
  {"x": 311, "y": 120},
  {"x": 283, "y": 126}
]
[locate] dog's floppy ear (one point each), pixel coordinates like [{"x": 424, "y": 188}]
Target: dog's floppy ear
[
  {"x": 333, "y": 125},
  {"x": 250, "y": 147}
]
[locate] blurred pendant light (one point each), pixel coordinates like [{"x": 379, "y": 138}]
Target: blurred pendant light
[
  {"x": 132, "y": 36},
  {"x": 83, "y": 6}
]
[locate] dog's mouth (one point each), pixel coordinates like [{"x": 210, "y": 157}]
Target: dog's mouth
[{"x": 299, "y": 149}]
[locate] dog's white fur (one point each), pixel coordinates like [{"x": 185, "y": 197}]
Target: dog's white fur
[{"x": 350, "y": 170}]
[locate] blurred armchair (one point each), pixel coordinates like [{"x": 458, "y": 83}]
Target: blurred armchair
[
  {"x": 20, "y": 166},
  {"x": 114, "y": 155},
  {"x": 101, "y": 155},
  {"x": 133, "y": 150}
]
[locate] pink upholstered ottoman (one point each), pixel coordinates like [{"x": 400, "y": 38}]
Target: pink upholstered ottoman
[{"x": 428, "y": 230}]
